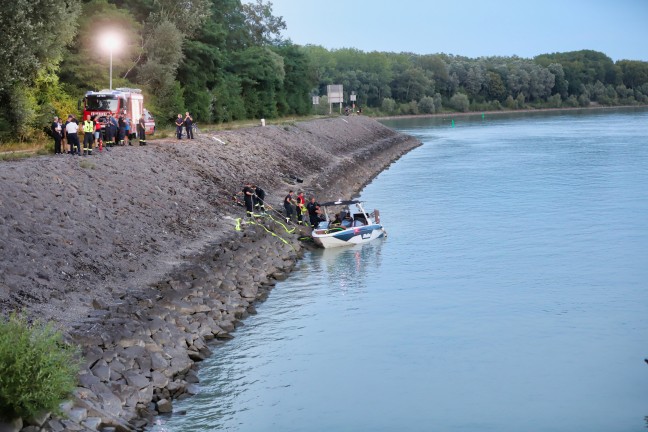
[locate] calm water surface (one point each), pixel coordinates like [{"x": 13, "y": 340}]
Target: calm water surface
[{"x": 510, "y": 295}]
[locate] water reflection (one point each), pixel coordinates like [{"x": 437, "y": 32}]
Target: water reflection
[{"x": 347, "y": 268}]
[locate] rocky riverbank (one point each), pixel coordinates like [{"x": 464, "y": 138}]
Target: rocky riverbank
[{"x": 135, "y": 254}]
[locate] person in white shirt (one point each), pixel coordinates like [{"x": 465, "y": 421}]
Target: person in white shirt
[{"x": 71, "y": 129}]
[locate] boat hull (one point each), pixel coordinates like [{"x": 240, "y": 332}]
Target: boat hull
[{"x": 348, "y": 237}]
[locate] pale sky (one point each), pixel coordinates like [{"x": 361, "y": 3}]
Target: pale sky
[{"x": 472, "y": 28}]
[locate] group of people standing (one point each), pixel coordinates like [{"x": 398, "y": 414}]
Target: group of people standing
[
  {"x": 296, "y": 208},
  {"x": 113, "y": 131},
  {"x": 187, "y": 123}
]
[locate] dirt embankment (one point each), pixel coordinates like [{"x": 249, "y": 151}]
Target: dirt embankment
[{"x": 77, "y": 229}]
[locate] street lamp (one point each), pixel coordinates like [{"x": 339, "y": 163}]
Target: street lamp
[{"x": 112, "y": 42}]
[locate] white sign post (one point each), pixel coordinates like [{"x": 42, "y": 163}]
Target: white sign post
[{"x": 335, "y": 95}]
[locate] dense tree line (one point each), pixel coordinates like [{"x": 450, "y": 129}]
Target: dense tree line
[
  {"x": 405, "y": 83},
  {"x": 224, "y": 60}
]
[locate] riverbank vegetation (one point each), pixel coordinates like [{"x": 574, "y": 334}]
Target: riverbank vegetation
[
  {"x": 226, "y": 61},
  {"x": 37, "y": 369}
]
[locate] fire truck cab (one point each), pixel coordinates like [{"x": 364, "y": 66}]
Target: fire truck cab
[{"x": 121, "y": 101}]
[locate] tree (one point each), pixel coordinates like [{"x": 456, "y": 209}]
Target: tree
[
  {"x": 426, "y": 105},
  {"x": 34, "y": 37},
  {"x": 388, "y": 106},
  {"x": 34, "y": 40},
  {"x": 186, "y": 15},
  {"x": 264, "y": 28},
  {"x": 294, "y": 95},
  {"x": 635, "y": 73},
  {"x": 495, "y": 88},
  {"x": 411, "y": 84},
  {"x": 560, "y": 83},
  {"x": 459, "y": 102}
]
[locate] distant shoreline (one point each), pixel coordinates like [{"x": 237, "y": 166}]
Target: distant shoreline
[{"x": 500, "y": 112}]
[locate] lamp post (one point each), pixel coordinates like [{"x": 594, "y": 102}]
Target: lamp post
[{"x": 111, "y": 42}]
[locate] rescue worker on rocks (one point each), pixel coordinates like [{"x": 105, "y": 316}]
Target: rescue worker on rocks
[
  {"x": 288, "y": 206},
  {"x": 141, "y": 131},
  {"x": 259, "y": 197},
  {"x": 88, "y": 135},
  {"x": 248, "y": 192},
  {"x": 314, "y": 211},
  {"x": 301, "y": 207}
]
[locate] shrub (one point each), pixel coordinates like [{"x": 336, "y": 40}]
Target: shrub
[
  {"x": 389, "y": 106},
  {"x": 554, "y": 101},
  {"x": 37, "y": 369},
  {"x": 426, "y": 105},
  {"x": 459, "y": 102}
]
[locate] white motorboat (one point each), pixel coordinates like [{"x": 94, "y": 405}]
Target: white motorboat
[{"x": 350, "y": 226}]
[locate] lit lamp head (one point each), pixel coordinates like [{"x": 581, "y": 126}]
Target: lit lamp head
[{"x": 111, "y": 41}]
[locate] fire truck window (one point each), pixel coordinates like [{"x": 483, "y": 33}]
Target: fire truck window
[{"x": 94, "y": 103}]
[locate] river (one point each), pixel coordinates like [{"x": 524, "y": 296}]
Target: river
[{"x": 511, "y": 294}]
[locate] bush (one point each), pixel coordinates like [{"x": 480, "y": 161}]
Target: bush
[
  {"x": 459, "y": 102},
  {"x": 426, "y": 105},
  {"x": 37, "y": 370},
  {"x": 554, "y": 101},
  {"x": 389, "y": 106}
]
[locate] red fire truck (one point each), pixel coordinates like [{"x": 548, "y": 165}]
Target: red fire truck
[{"x": 121, "y": 101}]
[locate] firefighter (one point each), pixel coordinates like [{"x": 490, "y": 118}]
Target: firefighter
[
  {"x": 108, "y": 132},
  {"x": 259, "y": 196},
  {"x": 141, "y": 131},
  {"x": 88, "y": 135},
  {"x": 288, "y": 206},
  {"x": 248, "y": 192},
  {"x": 314, "y": 212},
  {"x": 122, "y": 129}
]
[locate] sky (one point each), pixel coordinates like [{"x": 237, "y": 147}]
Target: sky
[{"x": 471, "y": 28}]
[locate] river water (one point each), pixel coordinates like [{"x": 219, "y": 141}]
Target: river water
[{"x": 510, "y": 295}]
